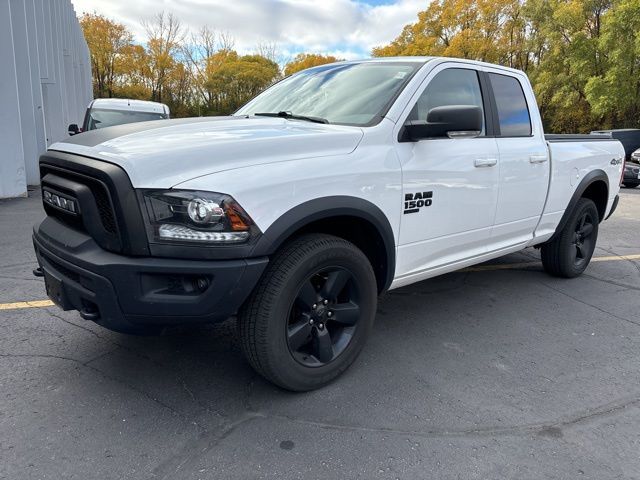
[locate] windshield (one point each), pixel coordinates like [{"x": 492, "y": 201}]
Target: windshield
[
  {"x": 99, "y": 118},
  {"x": 348, "y": 94}
]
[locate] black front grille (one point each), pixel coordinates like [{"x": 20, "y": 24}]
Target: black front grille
[
  {"x": 107, "y": 203},
  {"x": 71, "y": 183},
  {"x": 105, "y": 209}
]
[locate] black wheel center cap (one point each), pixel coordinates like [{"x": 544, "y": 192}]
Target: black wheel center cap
[{"x": 321, "y": 312}]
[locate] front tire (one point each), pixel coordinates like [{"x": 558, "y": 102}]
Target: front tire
[
  {"x": 569, "y": 254},
  {"x": 311, "y": 313}
]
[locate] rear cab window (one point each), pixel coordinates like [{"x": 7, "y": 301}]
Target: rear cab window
[
  {"x": 102, "y": 118},
  {"x": 513, "y": 113}
]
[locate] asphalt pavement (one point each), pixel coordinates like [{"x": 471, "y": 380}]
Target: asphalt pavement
[{"x": 488, "y": 373}]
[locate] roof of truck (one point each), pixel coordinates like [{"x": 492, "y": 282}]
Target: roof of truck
[
  {"x": 129, "y": 105},
  {"x": 425, "y": 59},
  {"x": 391, "y": 59}
]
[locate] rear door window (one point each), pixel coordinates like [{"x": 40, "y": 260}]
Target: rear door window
[{"x": 513, "y": 113}]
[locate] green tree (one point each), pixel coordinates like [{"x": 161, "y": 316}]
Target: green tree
[
  {"x": 571, "y": 34},
  {"x": 615, "y": 94},
  {"x": 236, "y": 79}
]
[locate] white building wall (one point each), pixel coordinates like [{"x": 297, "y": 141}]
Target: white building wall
[
  {"x": 13, "y": 179},
  {"x": 45, "y": 84}
]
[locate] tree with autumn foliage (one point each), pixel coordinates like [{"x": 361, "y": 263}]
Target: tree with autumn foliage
[
  {"x": 303, "y": 61},
  {"x": 134, "y": 73},
  {"x": 197, "y": 74},
  {"x": 581, "y": 55},
  {"x": 486, "y": 30},
  {"x": 222, "y": 79},
  {"x": 108, "y": 43},
  {"x": 165, "y": 35}
]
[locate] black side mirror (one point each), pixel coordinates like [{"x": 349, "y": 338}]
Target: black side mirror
[
  {"x": 453, "y": 121},
  {"x": 74, "y": 129}
]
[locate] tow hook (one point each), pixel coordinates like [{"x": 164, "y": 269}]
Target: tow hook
[{"x": 91, "y": 315}]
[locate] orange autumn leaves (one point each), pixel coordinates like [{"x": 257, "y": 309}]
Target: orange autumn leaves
[{"x": 583, "y": 56}]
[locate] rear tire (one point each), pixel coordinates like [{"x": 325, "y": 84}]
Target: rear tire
[
  {"x": 311, "y": 313},
  {"x": 630, "y": 185},
  {"x": 570, "y": 252}
]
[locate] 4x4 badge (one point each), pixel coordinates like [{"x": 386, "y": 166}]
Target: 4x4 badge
[{"x": 413, "y": 202}]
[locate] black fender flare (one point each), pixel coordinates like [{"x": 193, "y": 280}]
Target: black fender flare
[
  {"x": 590, "y": 178},
  {"x": 326, "y": 207}
]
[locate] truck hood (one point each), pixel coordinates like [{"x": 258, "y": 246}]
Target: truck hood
[{"x": 165, "y": 153}]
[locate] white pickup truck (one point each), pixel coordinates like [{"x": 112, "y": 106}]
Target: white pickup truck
[{"x": 331, "y": 187}]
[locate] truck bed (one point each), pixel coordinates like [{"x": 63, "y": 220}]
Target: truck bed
[{"x": 596, "y": 137}]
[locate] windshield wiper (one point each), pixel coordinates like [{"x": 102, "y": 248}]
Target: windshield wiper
[{"x": 291, "y": 116}]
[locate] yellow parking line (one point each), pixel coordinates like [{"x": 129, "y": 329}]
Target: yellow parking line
[
  {"x": 480, "y": 268},
  {"x": 32, "y": 304},
  {"x": 614, "y": 258}
]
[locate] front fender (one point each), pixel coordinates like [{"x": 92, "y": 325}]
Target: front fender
[{"x": 322, "y": 208}]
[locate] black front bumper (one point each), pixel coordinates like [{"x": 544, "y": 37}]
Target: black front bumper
[{"x": 135, "y": 294}]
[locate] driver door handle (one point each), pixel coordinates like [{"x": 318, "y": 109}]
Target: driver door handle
[
  {"x": 538, "y": 158},
  {"x": 485, "y": 162}
]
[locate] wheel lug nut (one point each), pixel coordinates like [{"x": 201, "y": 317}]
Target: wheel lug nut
[
  {"x": 329, "y": 314},
  {"x": 321, "y": 326},
  {"x": 311, "y": 322},
  {"x": 314, "y": 306},
  {"x": 325, "y": 301}
]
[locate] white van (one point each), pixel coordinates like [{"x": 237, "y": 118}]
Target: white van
[{"x": 107, "y": 112}]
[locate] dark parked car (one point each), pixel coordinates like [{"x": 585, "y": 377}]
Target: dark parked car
[
  {"x": 631, "y": 178},
  {"x": 629, "y": 137}
]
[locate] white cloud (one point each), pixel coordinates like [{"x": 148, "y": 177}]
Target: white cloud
[{"x": 345, "y": 28}]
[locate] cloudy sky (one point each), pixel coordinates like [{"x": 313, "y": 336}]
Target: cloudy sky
[{"x": 345, "y": 28}]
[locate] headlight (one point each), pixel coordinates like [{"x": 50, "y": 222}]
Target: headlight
[{"x": 192, "y": 216}]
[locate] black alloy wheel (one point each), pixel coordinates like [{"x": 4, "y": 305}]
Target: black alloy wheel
[
  {"x": 310, "y": 315},
  {"x": 324, "y": 316},
  {"x": 569, "y": 252},
  {"x": 583, "y": 239}
]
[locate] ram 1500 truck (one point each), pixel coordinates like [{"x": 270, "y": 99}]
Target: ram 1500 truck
[{"x": 331, "y": 187}]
